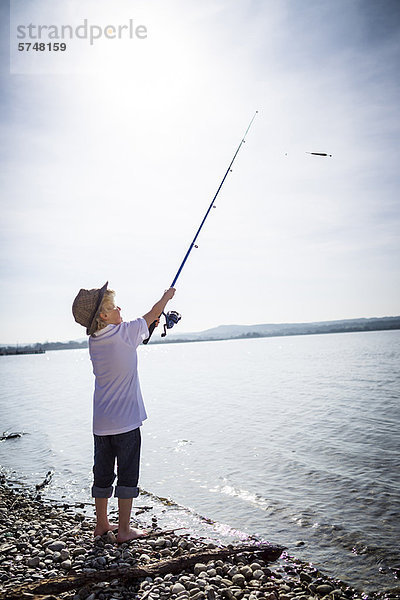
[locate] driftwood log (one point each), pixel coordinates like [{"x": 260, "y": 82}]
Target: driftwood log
[
  {"x": 11, "y": 435},
  {"x": 46, "y": 480},
  {"x": 58, "y": 585}
]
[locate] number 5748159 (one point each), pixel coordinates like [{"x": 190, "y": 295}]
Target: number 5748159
[{"x": 42, "y": 46}]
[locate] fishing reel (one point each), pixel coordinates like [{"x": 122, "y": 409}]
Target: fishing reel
[{"x": 171, "y": 319}]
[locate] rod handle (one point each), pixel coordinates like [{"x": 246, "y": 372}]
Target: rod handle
[{"x": 151, "y": 329}]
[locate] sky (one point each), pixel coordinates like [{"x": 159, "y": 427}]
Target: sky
[{"x": 112, "y": 153}]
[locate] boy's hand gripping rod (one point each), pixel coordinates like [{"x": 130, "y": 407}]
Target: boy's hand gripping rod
[{"x": 193, "y": 244}]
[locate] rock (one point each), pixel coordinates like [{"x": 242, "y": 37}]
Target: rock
[
  {"x": 267, "y": 572},
  {"x": 78, "y": 551},
  {"x": 232, "y": 571},
  {"x": 87, "y": 570},
  {"x": 226, "y": 593},
  {"x": 199, "y": 568},
  {"x": 79, "y": 517},
  {"x": 177, "y": 588},
  {"x": 66, "y": 564},
  {"x": 33, "y": 562},
  {"x": 198, "y": 596},
  {"x": 305, "y": 577},
  {"x": 145, "y": 558},
  {"x": 64, "y": 554},
  {"x": 239, "y": 579},
  {"x": 110, "y": 536},
  {"x": 247, "y": 572},
  {"x": 56, "y": 546},
  {"x": 324, "y": 589},
  {"x": 257, "y": 574}
]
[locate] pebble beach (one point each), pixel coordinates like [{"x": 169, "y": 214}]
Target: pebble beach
[{"x": 41, "y": 540}]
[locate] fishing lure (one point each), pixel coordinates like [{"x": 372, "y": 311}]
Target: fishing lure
[{"x": 319, "y": 154}]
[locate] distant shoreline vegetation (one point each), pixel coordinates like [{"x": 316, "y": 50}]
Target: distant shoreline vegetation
[
  {"x": 41, "y": 348},
  {"x": 231, "y": 332}
]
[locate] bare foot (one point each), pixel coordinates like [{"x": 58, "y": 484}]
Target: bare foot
[
  {"x": 101, "y": 529},
  {"x": 131, "y": 534}
]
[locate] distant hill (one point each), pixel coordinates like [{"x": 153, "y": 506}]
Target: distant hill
[
  {"x": 234, "y": 332},
  {"x": 223, "y": 332},
  {"x": 277, "y": 329}
]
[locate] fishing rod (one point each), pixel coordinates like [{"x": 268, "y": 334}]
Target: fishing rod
[{"x": 172, "y": 317}]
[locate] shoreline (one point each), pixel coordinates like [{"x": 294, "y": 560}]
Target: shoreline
[
  {"x": 47, "y": 539},
  {"x": 358, "y": 325}
]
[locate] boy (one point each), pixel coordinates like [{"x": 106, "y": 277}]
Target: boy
[{"x": 118, "y": 408}]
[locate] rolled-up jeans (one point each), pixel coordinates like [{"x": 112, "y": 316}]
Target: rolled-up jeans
[{"x": 125, "y": 449}]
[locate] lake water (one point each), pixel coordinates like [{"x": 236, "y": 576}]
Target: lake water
[{"x": 290, "y": 439}]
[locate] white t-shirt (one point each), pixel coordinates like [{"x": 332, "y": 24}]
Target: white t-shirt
[{"x": 117, "y": 403}]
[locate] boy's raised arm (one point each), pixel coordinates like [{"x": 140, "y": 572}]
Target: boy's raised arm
[{"x": 156, "y": 311}]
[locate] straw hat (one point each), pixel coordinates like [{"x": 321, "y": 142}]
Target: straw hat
[{"x": 86, "y": 307}]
